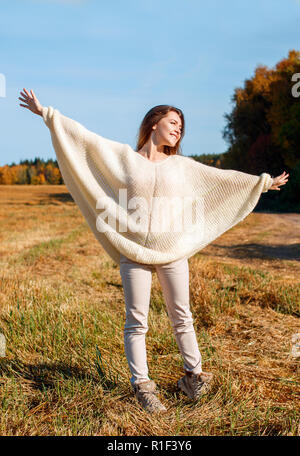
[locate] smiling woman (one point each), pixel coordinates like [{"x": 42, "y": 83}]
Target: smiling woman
[
  {"x": 95, "y": 168},
  {"x": 162, "y": 124}
]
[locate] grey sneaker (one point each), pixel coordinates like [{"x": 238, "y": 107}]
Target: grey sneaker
[
  {"x": 195, "y": 385},
  {"x": 146, "y": 394}
]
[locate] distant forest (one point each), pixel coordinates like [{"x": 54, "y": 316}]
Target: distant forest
[
  {"x": 262, "y": 132},
  {"x": 36, "y": 172}
]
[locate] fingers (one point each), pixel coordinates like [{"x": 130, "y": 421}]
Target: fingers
[
  {"x": 284, "y": 174},
  {"x": 281, "y": 182},
  {"x": 26, "y": 98},
  {"x": 283, "y": 178},
  {"x": 22, "y": 99},
  {"x": 31, "y": 100},
  {"x": 27, "y": 93},
  {"x": 33, "y": 95}
]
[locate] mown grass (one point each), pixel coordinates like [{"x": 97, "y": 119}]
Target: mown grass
[{"x": 62, "y": 313}]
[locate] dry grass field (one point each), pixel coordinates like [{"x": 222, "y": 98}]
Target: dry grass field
[{"x": 62, "y": 313}]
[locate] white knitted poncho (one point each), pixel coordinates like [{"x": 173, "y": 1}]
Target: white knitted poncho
[{"x": 151, "y": 212}]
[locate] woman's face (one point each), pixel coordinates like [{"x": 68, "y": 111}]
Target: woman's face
[{"x": 168, "y": 129}]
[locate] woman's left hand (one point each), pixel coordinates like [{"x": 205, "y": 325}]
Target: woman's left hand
[{"x": 279, "y": 180}]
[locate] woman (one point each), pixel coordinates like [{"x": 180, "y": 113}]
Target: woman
[{"x": 95, "y": 169}]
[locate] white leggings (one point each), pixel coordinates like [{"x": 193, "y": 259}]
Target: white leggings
[{"x": 174, "y": 280}]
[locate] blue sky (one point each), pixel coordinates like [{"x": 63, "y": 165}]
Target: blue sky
[{"x": 106, "y": 63}]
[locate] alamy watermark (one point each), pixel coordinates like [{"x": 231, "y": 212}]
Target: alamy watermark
[
  {"x": 2, "y": 345},
  {"x": 296, "y": 87},
  {"x": 2, "y": 86},
  {"x": 296, "y": 345},
  {"x": 159, "y": 215}
]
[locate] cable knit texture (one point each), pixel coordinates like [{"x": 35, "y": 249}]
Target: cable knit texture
[{"x": 156, "y": 212}]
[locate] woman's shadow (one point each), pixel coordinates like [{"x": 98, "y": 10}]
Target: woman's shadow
[
  {"x": 45, "y": 376},
  {"x": 260, "y": 251}
]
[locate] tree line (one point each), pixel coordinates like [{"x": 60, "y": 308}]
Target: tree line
[{"x": 31, "y": 172}]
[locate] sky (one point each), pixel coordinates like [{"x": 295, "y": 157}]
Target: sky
[{"x": 106, "y": 63}]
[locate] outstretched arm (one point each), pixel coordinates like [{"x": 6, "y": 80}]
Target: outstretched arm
[
  {"x": 32, "y": 103},
  {"x": 76, "y": 147}
]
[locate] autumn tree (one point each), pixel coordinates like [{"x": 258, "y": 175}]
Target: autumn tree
[
  {"x": 263, "y": 128},
  {"x": 35, "y": 172}
]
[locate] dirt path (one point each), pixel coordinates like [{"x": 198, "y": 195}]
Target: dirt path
[
  {"x": 267, "y": 241},
  {"x": 294, "y": 218}
]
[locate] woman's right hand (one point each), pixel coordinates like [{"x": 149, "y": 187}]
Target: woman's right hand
[{"x": 32, "y": 103}]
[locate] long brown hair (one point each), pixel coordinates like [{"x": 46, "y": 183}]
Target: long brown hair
[{"x": 153, "y": 117}]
